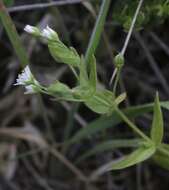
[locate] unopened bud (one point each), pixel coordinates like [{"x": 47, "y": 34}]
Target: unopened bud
[
  {"x": 119, "y": 60},
  {"x": 32, "y": 30}
]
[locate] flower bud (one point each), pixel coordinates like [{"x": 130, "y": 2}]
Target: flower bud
[
  {"x": 119, "y": 60},
  {"x": 32, "y": 30},
  {"x": 49, "y": 34}
]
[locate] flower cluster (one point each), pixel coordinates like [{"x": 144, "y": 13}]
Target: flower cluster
[{"x": 27, "y": 80}]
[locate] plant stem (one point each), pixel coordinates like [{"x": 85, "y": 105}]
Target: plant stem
[
  {"x": 132, "y": 125},
  {"x": 116, "y": 80},
  {"x": 13, "y": 35},
  {"x": 127, "y": 40},
  {"x": 163, "y": 150},
  {"x": 131, "y": 28},
  {"x": 95, "y": 37}
]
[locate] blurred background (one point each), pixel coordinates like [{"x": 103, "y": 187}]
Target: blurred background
[{"x": 34, "y": 128}]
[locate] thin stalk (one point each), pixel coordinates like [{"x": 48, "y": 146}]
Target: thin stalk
[
  {"x": 13, "y": 35},
  {"x": 98, "y": 28},
  {"x": 132, "y": 125},
  {"x": 128, "y": 37},
  {"x": 116, "y": 80},
  {"x": 131, "y": 28}
]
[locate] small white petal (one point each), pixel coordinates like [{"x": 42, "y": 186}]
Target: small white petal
[
  {"x": 24, "y": 77},
  {"x": 27, "y": 80},
  {"x": 49, "y": 33},
  {"x": 29, "y": 29},
  {"x": 29, "y": 89}
]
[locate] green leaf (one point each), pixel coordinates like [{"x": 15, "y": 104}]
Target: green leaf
[
  {"x": 139, "y": 155},
  {"x": 62, "y": 53},
  {"x": 110, "y": 145},
  {"x": 106, "y": 121},
  {"x": 102, "y": 102},
  {"x": 93, "y": 72},
  {"x": 157, "y": 124},
  {"x": 161, "y": 158}
]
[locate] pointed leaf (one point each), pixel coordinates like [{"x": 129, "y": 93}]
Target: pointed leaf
[
  {"x": 139, "y": 155},
  {"x": 107, "y": 121},
  {"x": 136, "y": 157},
  {"x": 109, "y": 146},
  {"x": 157, "y": 125}
]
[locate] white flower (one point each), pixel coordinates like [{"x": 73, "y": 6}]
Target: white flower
[
  {"x": 32, "y": 30},
  {"x": 26, "y": 79},
  {"x": 49, "y": 33},
  {"x": 29, "y": 89},
  {"x": 29, "y": 29}
]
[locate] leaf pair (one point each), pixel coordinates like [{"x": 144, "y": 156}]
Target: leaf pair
[{"x": 146, "y": 149}]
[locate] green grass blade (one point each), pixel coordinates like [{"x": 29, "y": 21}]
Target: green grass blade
[{"x": 13, "y": 35}]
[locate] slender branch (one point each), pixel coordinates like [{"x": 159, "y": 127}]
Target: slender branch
[
  {"x": 127, "y": 40},
  {"x": 116, "y": 80},
  {"x": 131, "y": 27},
  {"x": 97, "y": 31},
  {"x": 43, "y": 5},
  {"x": 132, "y": 125}
]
